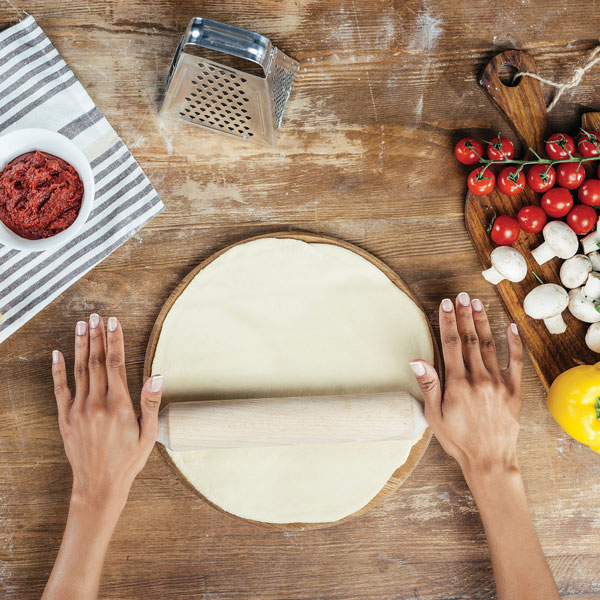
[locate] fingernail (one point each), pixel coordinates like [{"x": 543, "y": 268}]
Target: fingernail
[
  {"x": 417, "y": 368},
  {"x": 447, "y": 305},
  {"x": 514, "y": 328},
  {"x": 156, "y": 383},
  {"x": 477, "y": 305},
  {"x": 55, "y": 356},
  {"x": 94, "y": 320},
  {"x": 81, "y": 327},
  {"x": 463, "y": 299},
  {"x": 112, "y": 324}
]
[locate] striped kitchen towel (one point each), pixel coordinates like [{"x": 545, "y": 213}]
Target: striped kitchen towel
[{"x": 37, "y": 89}]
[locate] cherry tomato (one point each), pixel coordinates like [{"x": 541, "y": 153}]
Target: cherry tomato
[
  {"x": 539, "y": 180},
  {"x": 570, "y": 175},
  {"x": 588, "y": 144},
  {"x": 557, "y": 202},
  {"x": 509, "y": 183},
  {"x": 532, "y": 218},
  {"x": 480, "y": 182},
  {"x": 505, "y": 230},
  {"x": 500, "y": 149},
  {"x": 589, "y": 192},
  {"x": 468, "y": 151},
  {"x": 582, "y": 219},
  {"x": 560, "y": 146}
]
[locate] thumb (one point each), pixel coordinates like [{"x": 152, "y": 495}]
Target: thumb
[
  {"x": 150, "y": 403},
  {"x": 429, "y": 382}
]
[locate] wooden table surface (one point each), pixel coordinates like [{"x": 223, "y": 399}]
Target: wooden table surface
[{"x": 385, "y": 88}]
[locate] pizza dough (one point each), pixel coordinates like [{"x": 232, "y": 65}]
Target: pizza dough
[{"x": 280, "y": 317}]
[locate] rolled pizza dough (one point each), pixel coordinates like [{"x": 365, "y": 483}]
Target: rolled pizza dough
[{"x": 281, "y": 317}]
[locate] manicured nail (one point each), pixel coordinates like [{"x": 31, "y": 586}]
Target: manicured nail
[
  {"x": 447, "y": 305},
  {"x": 463, "y": 299},
  {"x": 55, "y": 356},
  {"x": 94, "y": 320},
  {"x": 477, "y": 305},
  {"x": 112, "y": 324},
  {"x": 156, "y": 383},
  {"x": 417, "y": 368},
  {"x": 81, "y": 327},
  {"x": 514, "y": 328}
]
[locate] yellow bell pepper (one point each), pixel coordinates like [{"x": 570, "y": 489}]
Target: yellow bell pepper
[{"x": 574, "y": 402}]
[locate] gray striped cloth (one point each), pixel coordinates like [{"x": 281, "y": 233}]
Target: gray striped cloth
[{"x": 37, "y": 89}]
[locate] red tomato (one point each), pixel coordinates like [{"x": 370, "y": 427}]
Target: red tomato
[
  {"x": 570, "y": 175},
  {"x": 560, "y": 146},
  {"x": 557, "y": 202},
  {"x": 500, "y": 149},
  {"x": 588, "y": 144},
  {"x": 468, "y": 151},
  {"x": 532, "y": 218},
  {"x": 589, "y": 192},
  {"x": 505, "y": 230},
  {"x": 480, "y": 182},
  {"x": 539, "y": 180},
  {"x": 582, "y": 219},
  {"x": 509, "y": 183}
]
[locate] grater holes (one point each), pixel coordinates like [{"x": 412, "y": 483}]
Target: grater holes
[{"x": 282, "y": 87}]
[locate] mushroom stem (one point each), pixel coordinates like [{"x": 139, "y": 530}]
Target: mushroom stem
[
  {"x": 592, "y": 287},
  {"x": 493, "y": 276},
  {"x": 543, "y": 253},
  {"x": 556, "y": 324},
  {"x": 590, "y": 242},
  {"x": 595, "y": 258}
]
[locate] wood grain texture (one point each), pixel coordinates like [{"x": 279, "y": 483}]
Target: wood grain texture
[{"x": 385, "y": 89}]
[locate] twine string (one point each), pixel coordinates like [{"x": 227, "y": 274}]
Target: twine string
[
  {"x": 575, "y": 80},
  {"x": 18, "y": 11}
]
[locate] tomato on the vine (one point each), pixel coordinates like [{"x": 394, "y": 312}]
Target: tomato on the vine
[
  {"x": 570, "y": 175},
  {"x": 560, "y": 146},
  {"x": 557, "y": 202},
  {"x": 481, "y": 181},
  {"x": 589, "y": 192},
  {"x": 541, "y": 177},
  {"x": 582, "y": 219},
  {"x": 588, "y": 144},
  {"x": 505, "y": 230},
  {"x": 532, "y": 218},
  {"x": 468, "y": 151},
  {"x": 509, "y": 182},
  {"x": 500, "y": 149}
]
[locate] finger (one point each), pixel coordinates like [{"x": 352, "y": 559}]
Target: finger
[
  {"x": 97, "y": 361},
  {"x": 61, "y": 387},
  {"x": 468, "y": 335},
  {"x": 115, "y": 355},
  {"x": 487, "y": 345},
  {"x": 82, "y": 353},
  {"x": 150, "y": 403},
  {"x": 451, "y": 347},
  {"x": 429, "y": 382},
  {"x": 512, "y": 373}
]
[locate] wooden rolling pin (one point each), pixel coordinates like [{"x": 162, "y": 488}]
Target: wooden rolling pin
[{"x": 285, "y": 421}]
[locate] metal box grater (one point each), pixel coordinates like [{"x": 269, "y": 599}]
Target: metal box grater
[{"x": 226, "y": 99}]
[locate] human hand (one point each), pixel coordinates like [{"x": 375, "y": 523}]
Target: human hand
[
  {"x": 106, "y": 444},
  {"x": 476, "y": 418}
]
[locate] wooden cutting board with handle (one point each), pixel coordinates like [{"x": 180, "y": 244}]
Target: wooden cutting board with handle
[{"x": 524, "y": 109}]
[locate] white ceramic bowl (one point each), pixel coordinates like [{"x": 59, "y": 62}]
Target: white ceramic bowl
[{"x": 19, "y": 142}]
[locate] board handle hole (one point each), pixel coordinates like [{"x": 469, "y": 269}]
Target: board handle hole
[{"x": 507, "y": 73}]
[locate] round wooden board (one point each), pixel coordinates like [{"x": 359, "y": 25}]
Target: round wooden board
[{"x": 418, "y": 450}]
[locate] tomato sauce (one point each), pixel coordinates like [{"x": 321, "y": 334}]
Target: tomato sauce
[{"x": 40, "y": 195}]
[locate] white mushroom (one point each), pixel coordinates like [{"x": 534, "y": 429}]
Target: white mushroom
[
  {"x": 547, "y": 302},
  {"x": 507, "y": 263},
  {"x": 575, "y": 270},
  {"x": 591, "y": 289},
  {"x": 595, "y": 258},
  {"x": 582, "y": 308},
  {"x": 559, "y": 240},
  {"x": 592, "y": 337},
  {"x": 590, "y": 241}
]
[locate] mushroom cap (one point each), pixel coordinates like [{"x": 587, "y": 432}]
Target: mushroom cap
[
  {"x": 509, "y": 263},
  {"x": 592, "y": 337},
  {"x": 545, "y": 301},
  {"x": 575, "y": 270},
  {"x": 581, "y": 307},
  {"x": 561, "y": 238}
]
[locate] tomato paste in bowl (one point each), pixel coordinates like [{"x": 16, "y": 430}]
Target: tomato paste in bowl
[{"x": 40, "y": 195}]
